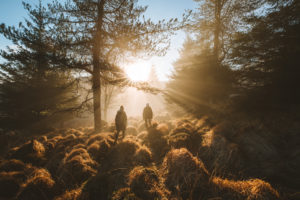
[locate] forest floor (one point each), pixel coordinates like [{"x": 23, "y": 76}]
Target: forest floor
[{"x": 184, "y": 158}]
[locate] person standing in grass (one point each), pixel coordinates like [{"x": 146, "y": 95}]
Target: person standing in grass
[
  {"x": 147, "y": 115},
  {"x": 121, "y": 123}
]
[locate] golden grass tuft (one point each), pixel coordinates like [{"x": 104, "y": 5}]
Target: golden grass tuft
[
  {"x": 39, "y": 186},
  {"x": 186, "y": 135},
  {"x": 163, "y": 128},
  {"x": 157, "y": 143},
  {"x": 122, "y": 154},
  {"x": 31, "y": 152},
  {"x": 124, "y": 194},
  {"x": 99, "y": 149},
  {"x": 93, "y": 138},
  {"x": 143, "y": 156},
  {"x": 253, "y": 189},
  {"x": 70, "y": 195},
  {"x": 12, "y": 165},
  {"x": 10, "y": 184},
  {"x": 77, "y": 166},
  {"x": 130, "y": 130},
  {"x": 184, "y": 174},
  {"x": 145, "y": 183}
]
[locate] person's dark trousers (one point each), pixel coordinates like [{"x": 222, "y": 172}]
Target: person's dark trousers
[
  {"x": 148, "y": 123},
  {"x": 117, "y": 135}
]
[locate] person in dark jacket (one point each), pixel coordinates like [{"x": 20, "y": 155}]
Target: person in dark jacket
[
  {"x": 147, "y": 115},
  {"x": 121, "y": 123}
]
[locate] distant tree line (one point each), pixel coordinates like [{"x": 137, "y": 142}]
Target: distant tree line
[{"x": 240, "y": 56}]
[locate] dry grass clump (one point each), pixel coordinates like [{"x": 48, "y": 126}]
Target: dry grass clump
[
  {"x": 181, "y": 140},
  {"x": 122, "y": 154},
  {"x": 103, "y": 185},
  {"x": 10, "y": 184},
  {"x": 75, "y": 132},
  {"x": 124, "y": 194},
  {"x": 254, "y": 189},
  {"x": 142, "y": 135},
  {"x": 77, "y": 166},
  {"x": 185, "y": 176},
  {"x": 221, "y": 156},
  {"x": 163, "y": 128},
  {"x": 93, "y": 138},
  {"x": 114, "y": 169},
  {"x": 157, "y": 143},
  {"x": 243, "y": 146},
  {"x": 186, "y": 135},
  {"x": 130, "y": 130},
  {"x": 143, "y": 156},
  {"x": 31, "y": 152},
  {"x": 12, "y": 165},
  {"x": 70, "y": 195},
  {"x": 99, "y": 149},
  {"x": 141, "y": 127},
  {"x": 13, "y": 174},
  {"x": 39, "y": 186},
  {"x": 145, "y": 183},
  {"x": 204, "y": 124},
  {"x": 183, "y": 125}
]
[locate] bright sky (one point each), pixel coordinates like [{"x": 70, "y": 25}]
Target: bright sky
[{"x": 12, "y": 12}]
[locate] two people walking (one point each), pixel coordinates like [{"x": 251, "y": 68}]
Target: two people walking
[{"x": 121, "y": 120}]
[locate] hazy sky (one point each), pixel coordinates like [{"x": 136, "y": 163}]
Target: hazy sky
[{"x": 12, "y": 12}]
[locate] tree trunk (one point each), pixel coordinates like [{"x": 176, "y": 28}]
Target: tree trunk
[
  {"x": 97, "y": 96},
  {"x": 97, "y": 42}
]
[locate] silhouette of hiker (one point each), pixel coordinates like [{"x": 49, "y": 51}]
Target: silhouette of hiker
[
  {"x": 147, "y": 115},
  {"x": 121, "y": 123}
]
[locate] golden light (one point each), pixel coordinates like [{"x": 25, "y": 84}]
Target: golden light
[{"x": 138, "y": 71}]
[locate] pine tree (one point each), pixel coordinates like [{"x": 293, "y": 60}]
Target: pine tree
[
  {"x": 268, "y": 56},
  {"x": 216, "y": 21},
  {"x": 103, "y": 32},
  {"x": 33, "y": 91}
]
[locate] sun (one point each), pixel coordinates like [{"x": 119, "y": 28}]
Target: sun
[{"x": 138, "y": 71}]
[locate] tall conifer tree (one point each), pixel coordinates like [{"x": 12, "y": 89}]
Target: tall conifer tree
[{"x": 33, "y": 91}]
